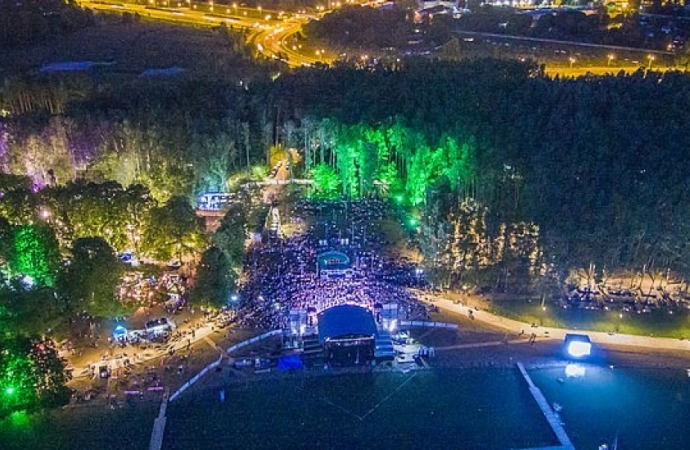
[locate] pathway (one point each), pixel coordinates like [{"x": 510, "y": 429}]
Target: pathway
[
  {"x": 158, "y": 431},
  {"x": 598, "y": 337}
]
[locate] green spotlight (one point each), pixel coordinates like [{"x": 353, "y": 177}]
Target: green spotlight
[
  {"x": 9, "y": 391},
  {"x": 399, "y": 198},
  {"x": 413, "y": 222}
]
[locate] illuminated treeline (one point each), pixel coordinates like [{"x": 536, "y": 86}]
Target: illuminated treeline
[
  {"x": 176, "y": 140},
  {"x": 597, "y": 164}
]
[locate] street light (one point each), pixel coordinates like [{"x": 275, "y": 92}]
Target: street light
[
  {"x": 610, "y": 57},
  {"x": 651, "y": 59},
  {"x": 572, "y": 61}
]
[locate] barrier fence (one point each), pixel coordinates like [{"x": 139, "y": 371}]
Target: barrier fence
[
  {"x": 426, "y": 323},
  {"x": 215, "y": 364}
]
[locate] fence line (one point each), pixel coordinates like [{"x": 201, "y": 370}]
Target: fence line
[
  {"x": 426, "y": 323},
  {"x": 216, "y": 363}
]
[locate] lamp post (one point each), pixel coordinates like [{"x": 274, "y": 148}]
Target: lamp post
[
  {"x": 572, "y": 61},
  {"x": 610, "y": 58},
  {"x": 651, "y": 59}
]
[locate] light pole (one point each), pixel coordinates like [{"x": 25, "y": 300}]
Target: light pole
[
  {"x": 572, "y": 61},
  {"x": 610, "y": 58},
  {"x": 651, "y": 59}
]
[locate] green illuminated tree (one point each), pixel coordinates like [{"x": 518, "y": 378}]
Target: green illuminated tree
[
  {"x": 36, "y": 253},
  {"x": 326, "y": 182},
  {"x": 32, "y": 375}
]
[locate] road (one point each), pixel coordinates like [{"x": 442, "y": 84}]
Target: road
[{"x": 270, "y": 32}]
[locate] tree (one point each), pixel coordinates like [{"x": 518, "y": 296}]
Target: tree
[
  {"x": 326, "y": 181},
  {"x": 91, "y": 278},
  {"x": 27, "y": 309},
  {"x": 173, "y": 230},
  {"x": 35, "y": 254},
  {"x": 232, "y": 234},
  {"x": 11, "y": 182},
  {"x": 32, "y": 375},
  {"x": 215, "y": 279}
]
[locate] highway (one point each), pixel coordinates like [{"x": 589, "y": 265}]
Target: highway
[{"x": 270, "y": 32}]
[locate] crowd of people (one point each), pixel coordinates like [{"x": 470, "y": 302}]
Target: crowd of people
[{"x": 284, "y": 273}]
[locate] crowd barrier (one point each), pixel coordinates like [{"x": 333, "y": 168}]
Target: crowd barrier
[
  {"x": 215, "y": 364},
  {"x": 426, "y": 323}
]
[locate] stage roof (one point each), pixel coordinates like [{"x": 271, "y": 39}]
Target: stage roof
[{"x": 346, "y": 320}]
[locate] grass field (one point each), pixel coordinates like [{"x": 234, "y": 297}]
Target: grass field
[
  {"x": 657, "y": 322},
  {"x": 134, "y": 47},
  {"x": 469, "y": 409},
  {"x": 85, "y": 427}
]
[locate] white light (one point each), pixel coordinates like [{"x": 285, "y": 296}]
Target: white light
[
  {"x": 28, "y": 281},
  {"x": 578, "y": 349},
  {"x": 392, "y": 325},
  {"x": 574, "y": 371}
]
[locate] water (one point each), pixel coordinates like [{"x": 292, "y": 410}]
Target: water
[
  {"x": 649, "y": 409},
  {"x": 468, "y": 409}
]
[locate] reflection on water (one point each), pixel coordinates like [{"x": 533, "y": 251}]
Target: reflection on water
[{"x": 646, "y": 408}]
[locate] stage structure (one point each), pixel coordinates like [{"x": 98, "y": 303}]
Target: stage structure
[
  {"x": 347, "y": 334},
  {"x": 389, "y": 317},
  {"x": 297, "y": 328},
  {"x": 334, "y": 264}
]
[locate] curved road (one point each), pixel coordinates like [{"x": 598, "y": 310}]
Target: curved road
[{"x": 269, "y": 31}]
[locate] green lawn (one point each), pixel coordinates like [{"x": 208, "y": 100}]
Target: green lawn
[{"x": 656, "y": 323}]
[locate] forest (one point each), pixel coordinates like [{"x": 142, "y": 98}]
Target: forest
[{"x": 595, "y": 163}]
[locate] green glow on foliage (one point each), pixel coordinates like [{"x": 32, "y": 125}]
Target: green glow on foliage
[
  {"x": 413, "y": 222},
  {"x": 9, "y": 391},
  {"x": 399, "y": 199},
  {"x": 33, "y": 254},
  {"x": 20, "y": 419},
  {"x": 326, "y": 182}
]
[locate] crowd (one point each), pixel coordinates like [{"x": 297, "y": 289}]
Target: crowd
[{"x": 283, "y": 273}]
